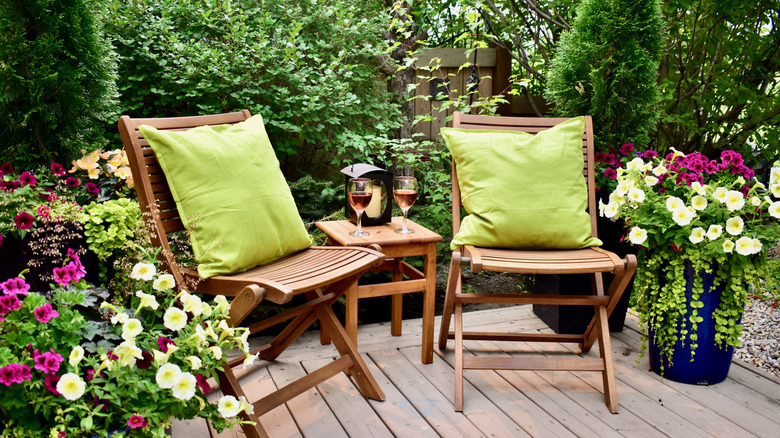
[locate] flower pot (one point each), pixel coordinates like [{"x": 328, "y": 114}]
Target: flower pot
[
  {"x": 575, "y": 319},
  {"x": 710, "y": 363}
]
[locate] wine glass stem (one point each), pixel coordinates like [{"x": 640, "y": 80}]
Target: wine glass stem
[
  {"x": 359, "y": 216},
  {"x": 406, "y": 211}
]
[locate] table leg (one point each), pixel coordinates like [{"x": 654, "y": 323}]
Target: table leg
[
  {"x": 429, "y": 304},
  {"x": 397, "y": 300},
  {"x": 351, "y": 311}
]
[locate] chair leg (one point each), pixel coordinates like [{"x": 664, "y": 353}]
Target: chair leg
[
  {"x": 616, "y": 289},
  {"x": 453, "y": 287},
  {"x": 228, "y": 384},
  {"x": 359, "y": 370},
  {"x": 458, "y": 357},
  {"x": 605, "y": 350}
]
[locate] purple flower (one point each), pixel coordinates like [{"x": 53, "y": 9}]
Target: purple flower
[
  {"x": 627, "y": 148},
  {"x": 103, "y": 403},
  {"x": 9, "y": 303},
  {"x": 49, "y": 362},
  {"x": 50, "y": 381},
  {"x": 24, "y": 220},
  {"x": 28, "y": 178},
  {"x": 163, "y": 342},
  {"x": 599, "y": 157},
  {"x": 609, "y": 158},
  {"x": 57, "y": 169},
  {"x": 649, "y": 154},
  {"x": 145, "y": 361},
  {"x": 15, "y": 286},
  {"x": 45, "y": 313},
  {"x": 72, "y": 181},
  {"x": 92, "y": 187},
  {"x": 15, "y": 373}
]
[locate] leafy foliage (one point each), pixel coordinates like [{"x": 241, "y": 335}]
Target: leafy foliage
[
  {"x": 307, "y": 66},
  {"x": 719, "y": 77},
  {"x": 57, "y": 74},
  {"x": 606, "y": 66},
  {"x": 109, "y": 225}
]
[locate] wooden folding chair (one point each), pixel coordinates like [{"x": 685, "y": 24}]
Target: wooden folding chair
[
  {"x": 321, "y": 274},
  {"x": 593, "y": 261}
]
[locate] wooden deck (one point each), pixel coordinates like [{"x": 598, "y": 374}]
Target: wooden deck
[{"x": 503, "y": 403}]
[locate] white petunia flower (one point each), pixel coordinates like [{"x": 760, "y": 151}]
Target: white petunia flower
[
  {"x": 728, "y": 246},
  {"x": 699, "y": 202},
  {"x": 167, "y": 375},
  {"x": 217, "y": 352},
  {"x": 755, "y": 201},
  {"x": 228, "y": 406},
  {"x": 131, "y": 328},
  {"x": 673, "y": 203},
  {"x": 245, "y": 406},
  {"x": 683, "y": 216},
  {"x": 637, "y": 235},
  {"x": 623, "y": 186},
  {"x": 250, "y": 359},
  {"x": 734, "y": 200},
  {"x": 222, "y": 304},
  {"x": 174, "y": 319},
  {"x": 195, "y": 362},
  {"x": 636, "y": 195},
  {"x": 205, "y": 310},
  {"x": 128, "y": 353},
  {"x": 774, "y": 210},
  {"x": 720, "y": 194},
  {"x": 611, "y": 210},
  {"x": 75, "y": 356},
  {"x": 192, "y": 303},
  {"x": 757, "y": 246},
  {"x": 143, "y": 271},
  {"x": 775, "y": 189},
  {"x": 650, "y": 180},
  {"x": 659, "y": 170},
  {"x": 744, "y": 246},
  {"x": 184, "y": 387},
  {"x": 164, "y": 282},
  {"x": 146, "y": 301},
  {"x": 735, "y": 225},
  {"x": 697, "y": 235},
  {"x": 714, "y": 231},
  {"x": 774, "y": 175},
  {"x": 635, "y": 164},
  {"x": 119, "y": 318},
  {"x": 71, "y": 386},
  {"x": 698, "y": 188}
]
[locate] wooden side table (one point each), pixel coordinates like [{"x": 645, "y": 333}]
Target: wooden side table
[{"x": 395, "y": 247}]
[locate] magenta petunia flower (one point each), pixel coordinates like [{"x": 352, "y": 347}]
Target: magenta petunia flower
[
  {"x": 137, "y": 421},
  {"x": 72, "y": 181},
  {"x": 202, "y": 383},
  {"x": 610, "y": 173},
  {"x": 9, "y": 303},
  {"x": 15, "y": 286},
  {"x": 627, "y": 148},
  {"x": 15, "y": 373},
  {"x": 649, "y": 154},
  {"x": 57, "y": 169},
  {"x": 48, "y": 362},
  {"x": 50, "y": 381},
  {"x": 6, "y": 168},
  {"x": 92, "y": 187},
  {"x": 145, "y": 361},
  {"x": 1, "y": 240},
  {"x": 24, "y": 220},
  {"x": 28, "y": 178},
  {"x": 45, "y": 313},
  {"x": 62, "y": 276},
  {"x": 163, "y": 342}
]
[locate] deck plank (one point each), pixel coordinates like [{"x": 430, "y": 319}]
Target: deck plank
[
  {"x": 350, "y": 408},
  {"x": 423, "y": 395}
]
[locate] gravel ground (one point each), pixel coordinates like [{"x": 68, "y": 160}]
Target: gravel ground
[{"x": 761, "y": 336}]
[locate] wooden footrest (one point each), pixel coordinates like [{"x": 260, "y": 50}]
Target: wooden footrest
[
  {"x": 533, "y": 363},
  {"x": 522, "y": 337}
]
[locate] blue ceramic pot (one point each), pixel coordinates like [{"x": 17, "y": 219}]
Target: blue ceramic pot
[{"x": 711, "y": 363}]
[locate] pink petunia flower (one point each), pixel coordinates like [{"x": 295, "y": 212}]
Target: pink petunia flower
[
  {"x": 24, "y": 220},
  {"x": 92, "y": 187},
  {"x": 610, "y": 173},
  {"x": 202, "y": 382},
  {"x": 48, "y": 362},
  {"x": 45, "y": 313},
  {"x": 137, "y": 421},
  {"x": 72, "y": 181},
  {"x": 50, "y": 381},
  {"x": 28, "y": 178},
  {"x": 163, "y": 342},
  {"x": 15, "y": 373},
  {"x": 15, "y": 286},
  {"x": 57, "y": 169}
]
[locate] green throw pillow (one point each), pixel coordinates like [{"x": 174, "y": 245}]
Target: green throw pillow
[
  {"x": 522, "y": 190},
  {"x": 231, "y": 195}
]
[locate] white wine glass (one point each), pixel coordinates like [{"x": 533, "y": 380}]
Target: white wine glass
[
  {"x": 405, "y": 193},
  {"x": 359, "y": 193}
]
